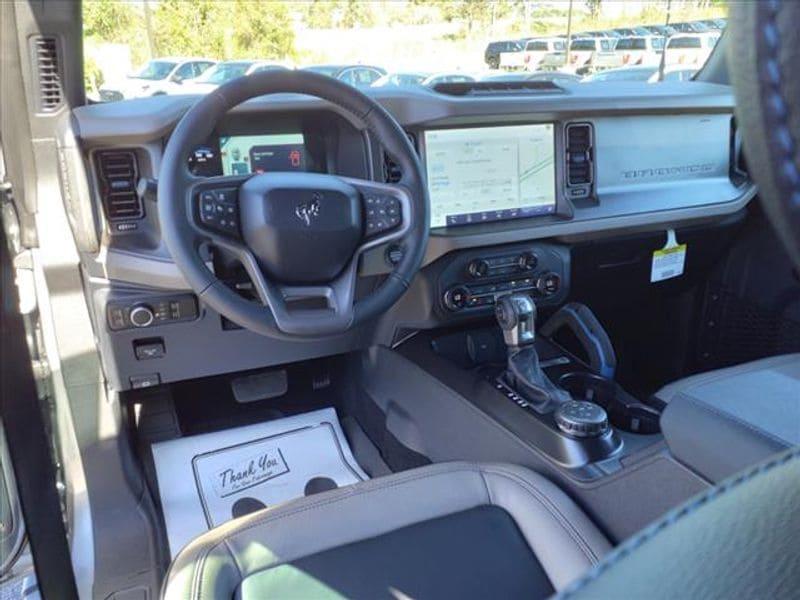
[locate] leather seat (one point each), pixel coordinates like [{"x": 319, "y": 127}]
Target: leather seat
[
  {"x": 447, "y": 530},
  {"x": 722, "y": 421}
]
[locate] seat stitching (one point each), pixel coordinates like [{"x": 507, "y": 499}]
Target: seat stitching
[
  {"x": 553, "y": 509},
  {"x": 731, "y": 417},
  {"x": 486, "y": 485},
  {"x": 676, "y": 516}
]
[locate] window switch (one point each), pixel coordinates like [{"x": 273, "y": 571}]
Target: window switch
[{"x": 148, "y": 349}]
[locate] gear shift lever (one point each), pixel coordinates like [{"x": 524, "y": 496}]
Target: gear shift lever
[{"x": 516, "y": 315}]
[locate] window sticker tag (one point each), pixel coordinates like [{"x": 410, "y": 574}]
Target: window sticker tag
[{"x": 669, "y": 261}]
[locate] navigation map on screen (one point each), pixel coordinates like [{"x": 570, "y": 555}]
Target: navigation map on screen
[{"x": 485, "y": 174}]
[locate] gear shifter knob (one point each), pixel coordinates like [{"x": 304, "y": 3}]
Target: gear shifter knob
[{"x": 516, "y": 315}]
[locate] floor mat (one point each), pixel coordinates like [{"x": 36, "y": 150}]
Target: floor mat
[{"x": 206, "y": 480}]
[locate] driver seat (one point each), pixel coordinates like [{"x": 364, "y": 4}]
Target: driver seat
[{"x": 446, "y": 530}]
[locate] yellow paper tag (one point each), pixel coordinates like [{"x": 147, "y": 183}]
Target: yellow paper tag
[{"x": 670, "y": 261}]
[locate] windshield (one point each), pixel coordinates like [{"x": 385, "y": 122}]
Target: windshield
[
  {"x": 224, "y": 72},
  {"x": 389, "y": 43},
  {"x": 155, "y": 69}
]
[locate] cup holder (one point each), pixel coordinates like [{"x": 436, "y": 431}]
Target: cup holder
[{"x": 624, "y": 411}]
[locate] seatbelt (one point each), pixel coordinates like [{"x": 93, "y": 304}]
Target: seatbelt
[{"x": 29, "y": 447}]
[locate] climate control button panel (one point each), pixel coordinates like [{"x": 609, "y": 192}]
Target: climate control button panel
[{"x": 473, "y": 281}]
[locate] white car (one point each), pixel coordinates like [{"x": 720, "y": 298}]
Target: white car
[
  {"x": 586, "y": 55},
  {"x": 640, "y": 50},
  {"x": 538, "y": 48},
  {"x": 512, "y": 58},
  {"x": 157, "y": 77},
  {"x": 690, "y": 49},
  {"x": 226, "y": 71}
]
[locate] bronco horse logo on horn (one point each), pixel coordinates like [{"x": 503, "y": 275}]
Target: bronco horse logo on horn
[{"x": 309, "y": 210}]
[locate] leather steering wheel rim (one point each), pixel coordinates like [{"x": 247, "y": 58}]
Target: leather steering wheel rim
[
  {"x": 763, "y": 53},
  {"x": 177, "y": 208}
]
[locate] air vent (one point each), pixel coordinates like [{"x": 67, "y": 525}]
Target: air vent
[
  {"x": 391, "y": 170},
  {"x": 48, "y": 74},
  {"x": 497, "y": 88},
  {"x": 580, "y": 159},
  {"x": 118, "y": 174}
]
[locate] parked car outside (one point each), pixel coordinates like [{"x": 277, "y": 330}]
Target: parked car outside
[
  {"x": 513, "y": 58},
  {"x": 640, "y": 50},
  {"x": 537, "y": 48},
  {"x": 157, "y": 77},
  {"x": 674, "y": 74},
  {"x": 691, "y": 27},
  {"x": 715, "y": 24},
  {"x": 226, "y": 71},
  {"x": 662, "y": 30},
  {"x": 586, "y": 55},
  {"x": 637, "y": 73},
  {"x": 355, "y": 75},
  {"x": 690, "y": 49},
  {"x": 401, "y": 79},
  {"x": 632, "y": 31},
  {"x": 491, "y": 56}
]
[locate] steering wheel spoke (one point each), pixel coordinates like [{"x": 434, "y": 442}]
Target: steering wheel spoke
[{"x": 313, "y": 309}]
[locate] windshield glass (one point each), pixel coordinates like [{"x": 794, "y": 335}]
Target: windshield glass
[
  {"x": 155, "y": 69},
  {"x": 390, "y": 43}
]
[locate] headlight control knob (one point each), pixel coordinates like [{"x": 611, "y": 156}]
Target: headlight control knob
[{"x": 142, "y": 315}]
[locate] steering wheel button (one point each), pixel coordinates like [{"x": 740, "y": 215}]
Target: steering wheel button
[{"x": 225, "y": 195}]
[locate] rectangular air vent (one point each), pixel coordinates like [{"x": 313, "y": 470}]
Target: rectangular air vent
[
  {"x": 391, "y": 171},
  {"x": 50, "y": 91},
  {"x": 118, "y": 174},
  {"x": 579, "y": 141}
]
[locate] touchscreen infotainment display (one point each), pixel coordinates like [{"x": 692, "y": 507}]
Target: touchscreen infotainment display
[
  {"x": 485, "y": 174},
  {"x": 243, "y": 154}
]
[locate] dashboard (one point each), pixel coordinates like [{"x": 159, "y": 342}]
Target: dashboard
[{"x": 514, "y": 181}]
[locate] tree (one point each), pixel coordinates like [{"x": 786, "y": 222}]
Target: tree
[
  {"x": 357, "y": 14},
  {"x": 320, "y": 14},
  {"x": 227, "y": 30},
  {"x": 593, "y": 6},
  {"x": 469, "y": 12},
  {"x": 109, "y": 20},
  {"x": 261, "y": 30}
]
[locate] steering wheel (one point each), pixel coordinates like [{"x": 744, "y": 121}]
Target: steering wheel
[
  {"x": 298, "y": 235},
  {"x": 763, "y": 53}
]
